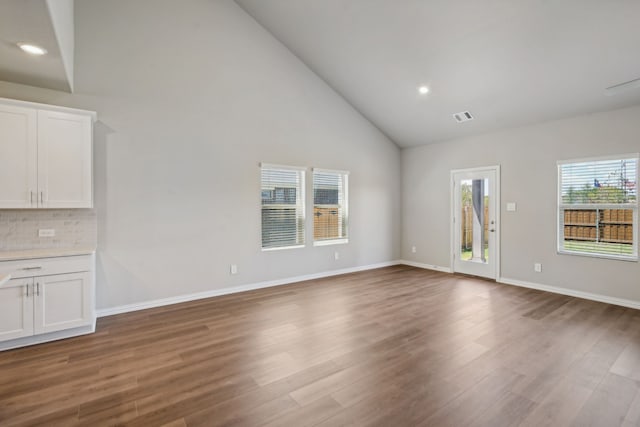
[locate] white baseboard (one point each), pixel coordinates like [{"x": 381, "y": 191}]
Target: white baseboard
[
  {"x": 571, "y": 292},
  {"x": 271, "y": 283},
  {"x": 427, "y": 266},
  {"x": 235, "y": 289}
]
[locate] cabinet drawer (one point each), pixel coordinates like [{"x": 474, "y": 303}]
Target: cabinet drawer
[{"x": 46, "y": 266}]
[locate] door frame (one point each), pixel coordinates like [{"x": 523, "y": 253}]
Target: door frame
[{"x": 498, "y": 206}]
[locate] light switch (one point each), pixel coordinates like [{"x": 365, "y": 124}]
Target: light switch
[{"x": 511, "y": 206}]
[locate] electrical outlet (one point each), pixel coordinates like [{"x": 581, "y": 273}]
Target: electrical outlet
[
  {"x": 336, "y": 255},
  {"x": 233, "y": 269},
  {"x": 537, "y": 267},
  {"x": 47, "y": 232},
  {"x": 413, "y": 249}
]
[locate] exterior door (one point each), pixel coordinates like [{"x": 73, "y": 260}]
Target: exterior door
[
  {"x": 63, "y": 301},
  {"x": 16, "y": 309},
  {"x": 475, "y": 225}
]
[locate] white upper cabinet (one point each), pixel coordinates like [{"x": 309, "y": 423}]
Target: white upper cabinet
[
  {"x": 64, "y": 160},
  {"x": 18, "y": 157},
  {"x": 46, "y": 158}
]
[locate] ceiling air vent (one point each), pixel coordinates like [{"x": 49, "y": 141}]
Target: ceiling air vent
[{"x": 465, "y": 116}]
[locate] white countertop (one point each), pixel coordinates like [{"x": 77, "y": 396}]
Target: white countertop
[{"x": 45, "y": 253}]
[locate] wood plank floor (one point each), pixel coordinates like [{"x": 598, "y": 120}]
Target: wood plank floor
[{"x": 397, "y": 346}]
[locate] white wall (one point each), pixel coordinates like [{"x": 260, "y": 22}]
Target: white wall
[
  {"x": 190, "y": 98},
  {"x": 528, "y": 157}
]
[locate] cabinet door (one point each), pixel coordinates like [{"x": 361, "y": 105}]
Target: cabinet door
[
  {"x": 64, "y": 160},
  {"x": 62, "y": 301},
  {"x": 18, "y": 157},
  {"x": 16, "y": 309}
]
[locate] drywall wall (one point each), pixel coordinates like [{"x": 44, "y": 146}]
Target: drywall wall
[
  {"x": 190, "y": 97},
  {"x": 528, "y": 157}
]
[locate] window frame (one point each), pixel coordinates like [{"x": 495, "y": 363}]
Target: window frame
[
  {"x": 561, "y": 207},
  {"x": 345, "y": 207},
  {"x": 302, "y": 171}
]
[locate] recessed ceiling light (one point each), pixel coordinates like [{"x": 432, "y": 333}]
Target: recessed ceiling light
[
  {"x": 423, "y": 90},
  {"x": 32, "y": 49}
]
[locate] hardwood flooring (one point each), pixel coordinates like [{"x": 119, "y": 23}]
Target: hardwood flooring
[{"x": 397, "y": 346}]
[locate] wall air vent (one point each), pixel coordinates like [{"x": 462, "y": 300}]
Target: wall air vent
[{"x": 465, "y": 116}]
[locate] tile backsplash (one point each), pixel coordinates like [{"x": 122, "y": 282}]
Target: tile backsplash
[{"x": 73, "y": 228}]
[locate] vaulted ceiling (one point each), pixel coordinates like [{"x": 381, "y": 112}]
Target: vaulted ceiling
[{"x": 508, "y": 62}]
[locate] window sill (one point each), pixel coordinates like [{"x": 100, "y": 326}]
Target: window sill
[
  {"x": 330, "y": 242},
  {"x": 631, "y": 258},
  {"x": 281, "y": 248}
]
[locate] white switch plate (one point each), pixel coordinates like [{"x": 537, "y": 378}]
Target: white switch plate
[
  {"x": 47, "y": 232},
  {"x": 511, "y": 206},
  {"x": 233, "y": 269},
  {"x": 537, "y": 267},
  {"x": 336, "y": 255},
  {"x": 413, "y": 249}
]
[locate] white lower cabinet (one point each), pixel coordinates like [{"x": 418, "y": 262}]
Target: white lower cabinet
[
  {"x": 16, "y": 310},
  {"x": 35, "y": 309}
]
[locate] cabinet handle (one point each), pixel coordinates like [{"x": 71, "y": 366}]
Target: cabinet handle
[
  {"x": 38, "y": 289},
  {"x": 32, "y": 268},
  {"x": 31, "y": 197},
  {"x": 27, "y": 291},
  {"x": 42, "y": 197}
]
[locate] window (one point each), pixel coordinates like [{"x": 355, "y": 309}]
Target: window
[
  {"x": 330, "y": 207},
  {"x": 282, "y": 207},
  {"x": 598, "y": 207}
]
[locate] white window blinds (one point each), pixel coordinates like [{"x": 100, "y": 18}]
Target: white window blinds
[
  {"x": 330, "y": 206},
  {"x": 598, "y": 207},
  {"x": 282, "y": 206}
]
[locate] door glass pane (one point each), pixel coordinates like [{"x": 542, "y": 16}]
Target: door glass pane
[{"x": 474, "y": 215}]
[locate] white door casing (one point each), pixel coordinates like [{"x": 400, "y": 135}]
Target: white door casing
[{"x": 481, "y": 255}]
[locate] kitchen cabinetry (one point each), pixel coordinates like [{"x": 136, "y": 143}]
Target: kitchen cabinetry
[
  {"x": 45, "y": 156},
  {"x": 46, "y": 299}
]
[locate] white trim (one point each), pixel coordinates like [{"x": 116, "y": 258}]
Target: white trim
[
  {"x": 599, "y": 158},
  {"x": 286, "y": 167},
  {"x": 281, "y": 248},
  {"x": 235, "y": 289},
  {"x": 612, "y": 256},
  {"x": 425, "y": 266},
  {"x": 571, "y": 292},
  {"x": 477, "y": 169},
  {"x": 330, "y": 242},
  {"x": 336, "y": 171}
]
